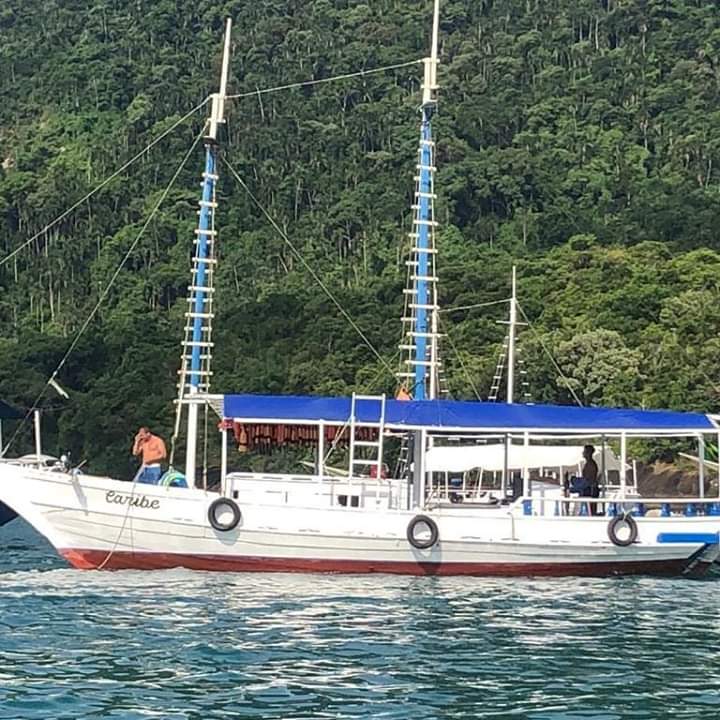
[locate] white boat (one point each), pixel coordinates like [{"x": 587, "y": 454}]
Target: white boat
[{"x": 367, "y": 522}]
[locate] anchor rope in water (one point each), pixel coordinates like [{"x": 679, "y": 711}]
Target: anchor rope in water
[
  {"x": 99, "y": 187},
  {"x": 308, "y": 267},
  {"x": 114, "y": 547},
  {"x": 107, "y": 288},
  {"x": 307, "y": 83}
]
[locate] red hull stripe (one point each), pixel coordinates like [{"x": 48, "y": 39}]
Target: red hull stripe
[{"x": 91, "y": 559}]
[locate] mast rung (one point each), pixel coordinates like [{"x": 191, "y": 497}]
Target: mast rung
[
  {"x": 428, "y": 223},
  {"x": 208, "y": 203},
  {"x": 211, "y": 176},
  {"x": 412, "y": 263},
  {"x": 208, "y": 316},
  {"x": 200, "y": 288},
  {"x": 206, "y": 261},
  {"x": 209, "y": 233},
  {"x": 426, "y": 334},
  {"x": 431, "y": 168},
  {"x": 421, "y": 306},
  {"x": 428, "y": 195},
  {"x": 191, "y": 299},
  {"x": 405, "y": 374},
  {"x": 429, "y": 251},
  {"x": 198, "y": 343},
  {"x": 403, "y": 346},
  {"x": 423, "y": 363},
  {"x": 189, "y": 389},
  {"x": 190, "y": 371},
  {"x": 423, "y": 141},
  {"x": 425, "y": 278}
]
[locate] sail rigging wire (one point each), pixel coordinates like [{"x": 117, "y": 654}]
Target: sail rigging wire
[
  {"x": 308, "y": 267},
  {"x": 107, "y": 288},
  {"x": 306, "y": 83},
  {"x": 473, "y": 307},
  {"x": 462, "y": 364},
  {"x": 99, "y": 187},
  {"x": 550, "y": 355}
]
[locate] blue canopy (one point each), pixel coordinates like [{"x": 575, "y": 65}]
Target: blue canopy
[{"x": 451, "y": 415}]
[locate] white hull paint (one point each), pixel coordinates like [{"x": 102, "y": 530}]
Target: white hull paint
[{"x": 99, "y": 522}]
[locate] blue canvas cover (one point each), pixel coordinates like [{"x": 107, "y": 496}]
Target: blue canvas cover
[{"x": 460, "y": 415}]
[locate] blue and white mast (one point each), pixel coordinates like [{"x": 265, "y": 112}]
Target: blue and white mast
[
  {"x": 419, "y": 372},
  {"x": 195, "y": 370}
]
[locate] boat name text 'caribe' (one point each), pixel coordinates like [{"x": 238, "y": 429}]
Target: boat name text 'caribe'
[{"x": 140, "y": 501}]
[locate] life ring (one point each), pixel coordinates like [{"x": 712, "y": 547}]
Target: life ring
[
  {"x": 617, "y": 522},
  {"x": 220, "y": 507},
  {"x": 430, "y": 524}
]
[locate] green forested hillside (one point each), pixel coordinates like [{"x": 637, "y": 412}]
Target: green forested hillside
[{"x": 578, "y": 139}]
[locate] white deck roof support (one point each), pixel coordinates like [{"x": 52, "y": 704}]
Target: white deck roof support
[
  {"x": 223, "y": 459},
  {"x": 623, "y": 464},
  {"x": 321, "y": 450},
  {"x": 420, "y": 474},
  {"x": 526, "y": 469},
  {"x": 701, "y": 468}
]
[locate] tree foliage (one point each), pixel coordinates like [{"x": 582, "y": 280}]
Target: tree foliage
[{"x": 578, "y": 140}]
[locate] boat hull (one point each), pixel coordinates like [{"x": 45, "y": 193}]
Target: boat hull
[
  {"x": 93, "y": 559},
  {"x": 7, "y": 514},
  {"x": 101, "y": 523}
]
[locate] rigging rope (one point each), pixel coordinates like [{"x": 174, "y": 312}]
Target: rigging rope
[
  {"x": 462, "y": 364},
  {"x": 307, "y": 266},
  {"x": 473, "y": 307},
  {"x": 107, "y": 288},
  {"x": 549, "y": 354},
  {"x": 62, "y": 216},
  {"x": 306, "y": 83}
]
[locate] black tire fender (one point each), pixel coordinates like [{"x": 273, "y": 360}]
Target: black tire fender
[
  {"x": 615, "y": 523},
  {"x": 431, "y": 525},
  {"x": 224, "y": 503}
]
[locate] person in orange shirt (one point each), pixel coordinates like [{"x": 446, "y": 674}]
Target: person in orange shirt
[{"x": 151, "y": 449}]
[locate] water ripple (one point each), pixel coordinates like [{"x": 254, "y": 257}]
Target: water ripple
[{"x": 192, "y": 646}]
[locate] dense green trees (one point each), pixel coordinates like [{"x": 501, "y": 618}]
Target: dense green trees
[{"x": 579, "y": 140}]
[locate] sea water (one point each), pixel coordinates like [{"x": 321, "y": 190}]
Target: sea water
[{"x": 192, "y": 645}]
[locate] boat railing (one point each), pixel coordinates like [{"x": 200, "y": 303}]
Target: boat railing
[
  {"x": 637, "y": 506},
  {"x": 337, "y": 491}
]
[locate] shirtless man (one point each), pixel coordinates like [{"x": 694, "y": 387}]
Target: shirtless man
[{"x": 151, "y": 449}]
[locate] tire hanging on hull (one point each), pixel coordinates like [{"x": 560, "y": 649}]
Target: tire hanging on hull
[
  {"x": 422, "y": 543},
  {"x": 616, "y": 524},
  {"x": 218, "y": 508}
]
